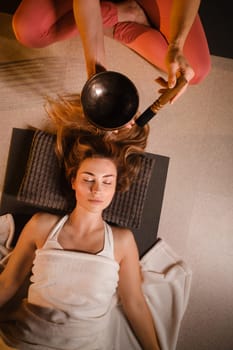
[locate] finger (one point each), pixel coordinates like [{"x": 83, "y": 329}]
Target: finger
[
  {"x": 162, "y": 91},
  {"x": 161, "y": 81},
  {"x": 175, "y": 98},
  {"x": 189, "y": 74},
  {"x": 172, "y": 74}
]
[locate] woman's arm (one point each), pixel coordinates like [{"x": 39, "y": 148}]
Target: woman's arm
[
  {"x": 131, "y": 295},
  {"x": 21, "y": 259},
  {"x": 182, "y": 17},
  {"x": 18, "y": 266},
  {"x": 89, "y": 22}
]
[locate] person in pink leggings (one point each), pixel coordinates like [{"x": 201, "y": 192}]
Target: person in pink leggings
[{"x": 166, "y": 33}]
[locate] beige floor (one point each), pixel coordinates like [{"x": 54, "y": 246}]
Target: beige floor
[{"x": 196, "y": 133}]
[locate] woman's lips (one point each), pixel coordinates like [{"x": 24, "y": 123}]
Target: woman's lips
[{"x": 97, "y": 201}]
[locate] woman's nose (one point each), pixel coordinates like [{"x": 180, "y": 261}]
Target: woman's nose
[{"x": 96, "y": 187}]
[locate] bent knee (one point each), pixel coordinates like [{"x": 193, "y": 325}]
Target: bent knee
[
  {"x": 201, "y": 71},
  {"x": 26, "y": 33}
]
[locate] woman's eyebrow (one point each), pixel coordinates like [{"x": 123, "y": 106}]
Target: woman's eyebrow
[
  {"x": 91, "y": 174},
  {"x": 109, "y": 175},
  {"x": 88, "y": 173}
]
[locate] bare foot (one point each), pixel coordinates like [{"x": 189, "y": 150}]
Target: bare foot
[{"x": 131, "y": 11}]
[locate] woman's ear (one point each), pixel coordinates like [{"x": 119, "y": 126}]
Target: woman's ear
[
  {"x": 73, "y": 183},
  {"x": 73, "y": 177}
]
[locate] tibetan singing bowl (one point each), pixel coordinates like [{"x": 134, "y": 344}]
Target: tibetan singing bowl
[{"x": 109, "y": 100}]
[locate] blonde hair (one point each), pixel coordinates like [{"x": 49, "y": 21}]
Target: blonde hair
[{"x": 77, "y": 139}]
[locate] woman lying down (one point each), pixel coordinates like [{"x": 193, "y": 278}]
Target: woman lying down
[{"x": 88, "y": 289}]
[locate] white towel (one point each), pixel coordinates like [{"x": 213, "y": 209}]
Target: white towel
[{"x": 166, "y": 286}]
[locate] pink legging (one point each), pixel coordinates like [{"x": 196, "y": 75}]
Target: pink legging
[{"x": 42, "y": 22}]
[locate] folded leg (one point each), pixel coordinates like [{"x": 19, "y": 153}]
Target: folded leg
[
  {"x": 152, "y": 42},
  {"x": 42, "y": 22}
]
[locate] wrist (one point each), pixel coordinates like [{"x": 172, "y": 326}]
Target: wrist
[{"x": 176, "y": 45}]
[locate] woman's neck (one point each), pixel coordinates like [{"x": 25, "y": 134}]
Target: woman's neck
[
  {"x": 83, "y": 231},
  {"x": 85, "y": 221}
]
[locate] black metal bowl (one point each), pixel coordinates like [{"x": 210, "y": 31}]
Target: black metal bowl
[{"x": 109, "y": 100}]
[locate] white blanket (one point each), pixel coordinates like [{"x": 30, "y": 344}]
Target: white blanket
[{"x": 166, "y": 285}]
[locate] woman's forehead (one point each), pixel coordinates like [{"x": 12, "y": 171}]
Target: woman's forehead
[{"x": 98, "y": 165}]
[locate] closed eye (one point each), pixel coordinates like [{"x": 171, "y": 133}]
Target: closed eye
[{"x": 88, "y": 180}]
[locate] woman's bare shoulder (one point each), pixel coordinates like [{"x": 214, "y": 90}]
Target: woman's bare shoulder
[
  {"x": 124, "y": 241},
  {"x": 39, "y": 226},
  {"x": 121, "y": 233},
  {"x": 44, "y": 218}
]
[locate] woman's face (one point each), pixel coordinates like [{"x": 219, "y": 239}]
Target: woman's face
[{"x": 95, "y": 184}]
